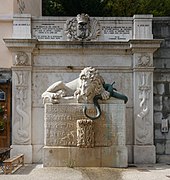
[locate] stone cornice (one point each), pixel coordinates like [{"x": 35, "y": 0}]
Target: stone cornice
[
  {"x": 133, "y": 45},
  {"x": 124, "y": 47},
  {"x": 20, "y": 44},
  {"x": 150, "y": 45},
  {"x": 82, "y": 44}
]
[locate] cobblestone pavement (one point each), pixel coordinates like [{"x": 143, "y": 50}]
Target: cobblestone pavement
[{"x": 142, "y": 172}]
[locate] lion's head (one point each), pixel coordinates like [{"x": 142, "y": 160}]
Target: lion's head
[{"x": 90, "y": 84}]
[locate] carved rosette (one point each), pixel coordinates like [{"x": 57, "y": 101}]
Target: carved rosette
[
  {"x": 144, "y": 61},
  {"x": 85, "y": 133},
  {"x": 21, "y": 59},
  {"x": 82, "y": 27},
  {"x": 21, "y": 120}
]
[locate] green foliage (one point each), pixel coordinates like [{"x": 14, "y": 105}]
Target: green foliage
[
  {"x": 73, "y": 7},
  {"x": 123, "y": 7},
  {"x": 106, "y": 7},
  {"x": 156, "y": 7},
  {"x": 2, "y": 125}
]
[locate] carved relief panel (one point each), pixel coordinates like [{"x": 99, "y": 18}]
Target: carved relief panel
[
  {"x": 85, "y": 133},
  {"x": 21, "y": 107},
  {"x": 143, "y": 60},
  {"x": 21, "y": 59},
  {"x": 144, "y": 119},
  {"x": 62, "y": 128}
]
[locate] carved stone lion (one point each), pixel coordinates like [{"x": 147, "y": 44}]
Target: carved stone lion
[
  {"x": 84, "y": 88},
  {"x": 88, "y": 88},
  {"x": 90, "y": 85}
]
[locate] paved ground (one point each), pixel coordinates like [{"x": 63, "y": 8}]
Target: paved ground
[{"x": 143, "y": 172}]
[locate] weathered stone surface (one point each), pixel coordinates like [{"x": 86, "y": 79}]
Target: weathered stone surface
[
  {"x": 61, "y": 119},
  {"x": 157, "y": 117},
  {"x": 144, "y": 154},
  {"x": 161, "y": 84},
  {"x": 160, "y": 147},
  {"x": 109, "y": 135},
  {"x": 167, "y": 147},
  {"x": 115, "y": 156},
  {"x": 85, "y": 133}
]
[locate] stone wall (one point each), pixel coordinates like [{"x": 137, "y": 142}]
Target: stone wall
[{"x": 161, "y": 30}]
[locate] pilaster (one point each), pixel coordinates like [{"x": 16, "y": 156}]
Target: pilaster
[
  {"x": 143, "y": 100},
  {"x": 22, "y": 97}
]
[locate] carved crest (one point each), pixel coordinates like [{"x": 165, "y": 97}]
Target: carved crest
[{"x": 82, "y": 27}]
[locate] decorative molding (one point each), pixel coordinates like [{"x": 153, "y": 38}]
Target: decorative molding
[{"x": 21, "y": 59}]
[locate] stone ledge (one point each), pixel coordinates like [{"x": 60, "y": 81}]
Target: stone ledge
[{"x": 113, "y": 156}]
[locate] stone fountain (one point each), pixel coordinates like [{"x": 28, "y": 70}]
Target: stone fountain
[{"x": 84, "y": 123}]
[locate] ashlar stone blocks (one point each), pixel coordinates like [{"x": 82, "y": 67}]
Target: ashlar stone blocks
[{"x": 106, "y": 136}]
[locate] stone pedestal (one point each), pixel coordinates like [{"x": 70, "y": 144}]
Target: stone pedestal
[
  {"x": 62, "y": 141},
  {"x": 144, "y": 154}
]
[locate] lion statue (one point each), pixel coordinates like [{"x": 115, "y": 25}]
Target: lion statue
[
  {"x": 89, "y": 87},
  {"x": 84, "y": 88}
]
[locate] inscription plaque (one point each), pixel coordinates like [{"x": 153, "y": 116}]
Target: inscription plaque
[
  {"x": 47, "y": 31},
  {"x": 61, "y": 125},
  {"x": 117, "y": 33}
]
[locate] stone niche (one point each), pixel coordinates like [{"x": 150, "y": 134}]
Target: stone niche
[{"x": 71, "y": 139}]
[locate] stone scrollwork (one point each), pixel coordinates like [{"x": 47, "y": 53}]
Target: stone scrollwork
[
  {"x": 144, "y": 61},
  {"x": 144, "y": 133},
  {"x": 21, "y": 59},
  {"x": 82, "y": 27},
  {"x": 21, "y": 122}
]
